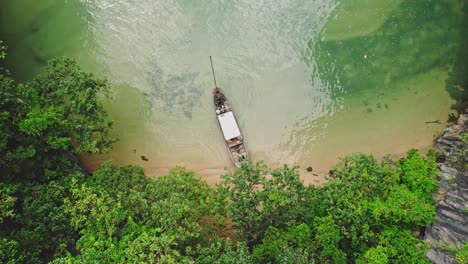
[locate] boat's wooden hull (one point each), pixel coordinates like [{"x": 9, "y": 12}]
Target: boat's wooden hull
[
  {"x": 235, "y": 158},
  {"x": 236, "y": 147}
]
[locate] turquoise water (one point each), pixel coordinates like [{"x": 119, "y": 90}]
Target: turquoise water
[
  {"x": 415, "y": 38},
  {"x": 309, "y": 81}
]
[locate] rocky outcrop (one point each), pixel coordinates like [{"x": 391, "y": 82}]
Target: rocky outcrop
[{"x": 450, "y": 230}]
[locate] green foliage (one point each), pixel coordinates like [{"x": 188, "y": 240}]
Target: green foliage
[
  {"x": 359, "y": 180},
  {"x": 158, "y": 248},
  {"x": 120, "y": 213},
  {"x": 39, "y": 121},
  {"x": 58, "y": 111},
  {"x": 462, "y": 254},
  {"x": 46, "y": 229},
  {"x": 398, "y": 210},
  {"x": 45, "y": 121},
  {"x": 366, "y": 197},
  {"x": 8, "y": 247},
  {"x": 277, "y": 242},
  {"x": 2, "y": 50},
  {"x": 367, "y": 214},
  {"x": 258, "y": 202},
  {"x": 225, "y": 252},
  {"x": 375, "y": 255},
  {"x": 9, "y": 251},
  {"x": 317, "y": 244},
  {"x": 7, "y": 201},
  {"x": 419, "y": 174},
  {"x": 402, "y": 246},
  {"x": 73, "y": 95},
  {"x": 327, "y": 239}
]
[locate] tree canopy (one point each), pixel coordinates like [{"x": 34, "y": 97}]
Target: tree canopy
[{"x": 58, "y": 111}]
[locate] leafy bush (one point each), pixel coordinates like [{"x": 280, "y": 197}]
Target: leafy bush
[
  {"x": 120, "y": 213},
  {"x": 57, "y": 111},
  {"x": 367, "y": 199},
  {"x": 257, "y": 202}
]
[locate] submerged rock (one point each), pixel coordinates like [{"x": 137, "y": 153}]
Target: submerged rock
[{"x": 450, "y": 230}]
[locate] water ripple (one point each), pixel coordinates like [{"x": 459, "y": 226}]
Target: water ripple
[{"x": 161, "y": 48}]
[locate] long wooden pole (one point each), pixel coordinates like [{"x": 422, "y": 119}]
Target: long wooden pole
[{"x": 212, "y": 69}]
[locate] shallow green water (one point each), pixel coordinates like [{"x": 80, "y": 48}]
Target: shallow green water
[{"x": 309, "y": 81}]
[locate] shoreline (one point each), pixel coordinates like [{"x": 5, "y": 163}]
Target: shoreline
[{"x": 211, "y": 175}]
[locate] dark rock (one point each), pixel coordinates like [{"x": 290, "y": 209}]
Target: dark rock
[
  {"x": 451, "y": 226},
  {"x": 445, "y": 142},
  {"x": 441, "y": 256}
]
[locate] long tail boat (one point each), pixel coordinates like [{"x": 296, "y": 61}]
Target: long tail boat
[{"x": 228, "y": 124}]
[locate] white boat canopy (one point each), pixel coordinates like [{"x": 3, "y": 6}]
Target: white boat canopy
[{"x": 229, "y": 125}]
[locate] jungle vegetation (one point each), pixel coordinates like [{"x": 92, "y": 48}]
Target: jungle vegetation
[{"x": 51, "y": 210}]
